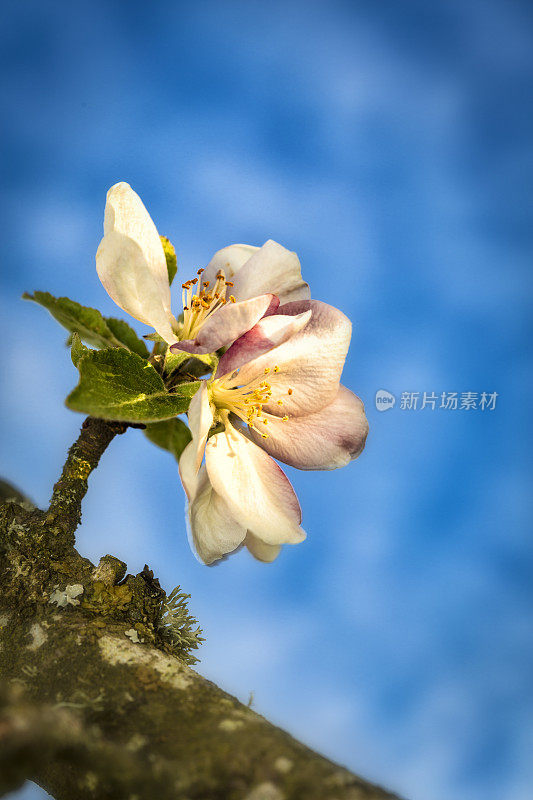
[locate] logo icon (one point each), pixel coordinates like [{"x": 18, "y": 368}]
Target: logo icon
[{"x": 384, "y": 400}]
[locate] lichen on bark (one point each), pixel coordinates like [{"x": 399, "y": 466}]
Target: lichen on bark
[{"x": 97, "y": 695}]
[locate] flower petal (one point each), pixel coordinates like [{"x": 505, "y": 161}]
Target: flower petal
[
  {"x": 226, "y": 324},
  {"x": 260, "y": 550},
  {"x": 131, "y": 263},
  {"x": 188, "y": 471},
  {"x": 271, "y": 268},
  {"x": 200, "y": 416},
  {"x": 230, "y": 259},
  {"x": 213, "y": 530},
  {"x": 268, "y": 333},
  {"x": 327, "y": 439},
  {"x": 309, "y": 363},
  {"x": 256, "y": 490}
]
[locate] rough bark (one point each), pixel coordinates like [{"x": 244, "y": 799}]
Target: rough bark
[{"x": 88, "y": 712}]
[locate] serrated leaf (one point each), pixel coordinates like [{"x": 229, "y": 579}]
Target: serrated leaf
[
  {"x": 127, "y": 336},
  {"x": 118, "y": 385},
  {"x": 77, "y": 348},
  {"x": 170, "y": 256},
  {"x": 85, "y": 321},
  {"x": 89, "y": 323},
  {"x": 172, "y": 435}
]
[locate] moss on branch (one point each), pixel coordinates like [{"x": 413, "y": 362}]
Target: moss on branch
[{"x": 83, "y": 457}]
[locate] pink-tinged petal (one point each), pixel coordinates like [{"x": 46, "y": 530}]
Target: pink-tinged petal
[
  {"x": 213, "y": 530},
  {"x": 268, "y": 333},
  {"x": 200, "y": 416},
  {"x": 230, "y": 259},
  {"x": 131, "y": 263},
  {"x": 256, "y": 490},
  {"x": 327, "y": 439},
  {"x": 273, "y": 307},
  {"x": 309, "y": 363},
  {"x": 260, "y": 550},
  {"x": 271, "y": 268},
  {"x": 226, "y": 324}
]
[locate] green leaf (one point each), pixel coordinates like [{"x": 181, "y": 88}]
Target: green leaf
[
  {"x": 89, "y": 324},
  {"x": 172, "y": 435},
  {"x": 203, "y": 364},
  {"x": 170, "y": 256},
  {"x": 127, "y": 336},
  {"x": 77, "y": 349},
  {"x": 196, "y": 365},
  {"x": 85, "y": 321},
  {"x": 174, "y": 360},
  {"x": 118, "y": 385}
]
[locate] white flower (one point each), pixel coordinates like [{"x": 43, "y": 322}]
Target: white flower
[
  {"x": 239, "y": 286},
  {"x": 277, "y": 393}
]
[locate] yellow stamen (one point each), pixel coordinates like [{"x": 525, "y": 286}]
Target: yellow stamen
[{"x": 199, "y": 303}]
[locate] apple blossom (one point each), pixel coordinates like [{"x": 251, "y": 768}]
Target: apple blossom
[
  {"x": 276, "y": 393},
  {"x": 239, "y": 286}
]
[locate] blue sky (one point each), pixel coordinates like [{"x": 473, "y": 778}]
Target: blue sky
[{"x": 389, "y": 144}]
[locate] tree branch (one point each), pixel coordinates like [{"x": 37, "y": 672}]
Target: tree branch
[
  {"x": 83, "y": 457},
  {"x": 34, "y": 737},
  {"x": 97, "y": 697}
]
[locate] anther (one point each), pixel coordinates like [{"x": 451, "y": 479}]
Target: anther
[
  {"x": 276, "y": 368},
  {"x": 289, "y": 391},
  {"x": 232, "y": 299}
]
